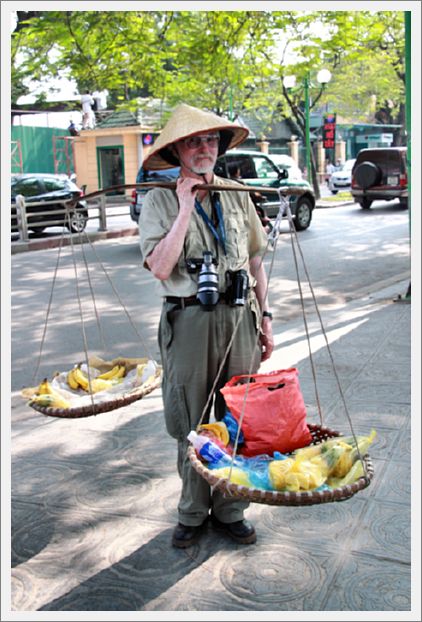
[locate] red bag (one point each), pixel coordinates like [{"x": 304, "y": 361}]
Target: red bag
[{"x": 274, "y": 417}]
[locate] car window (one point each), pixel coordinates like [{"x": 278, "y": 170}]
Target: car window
[
  {"x": 264, "y": 168},
  {"x": 243, "y": 163},
  {"x": 51, "y": 185},
  {"x": 386, "y": 159},
  {"x": 29, "y": 187}
]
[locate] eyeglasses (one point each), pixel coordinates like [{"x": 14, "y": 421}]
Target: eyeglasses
[{"x": 193, "y": 142}]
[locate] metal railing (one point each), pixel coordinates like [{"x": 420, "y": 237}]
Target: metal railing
[{"x": 59, "y": 217}]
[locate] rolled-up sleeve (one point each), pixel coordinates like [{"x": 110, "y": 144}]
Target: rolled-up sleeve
[{"x": 155, "y": 220}]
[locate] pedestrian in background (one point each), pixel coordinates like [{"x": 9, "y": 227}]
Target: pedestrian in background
[
  {"x": 72, "y": 129},
  {"x": 88, "y": 118},
  {"x": 330, "y": 168},
  {"x": 176, "y": 228}
]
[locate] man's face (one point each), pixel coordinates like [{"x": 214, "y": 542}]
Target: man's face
[{"x": 198, "y": 153}]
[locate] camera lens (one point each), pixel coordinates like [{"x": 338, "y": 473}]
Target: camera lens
[{"x": 208, "y": 294}]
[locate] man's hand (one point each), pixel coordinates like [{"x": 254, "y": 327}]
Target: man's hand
[
  {"x": 185, "y": 194},
  {"x": 266, "y": 339}
]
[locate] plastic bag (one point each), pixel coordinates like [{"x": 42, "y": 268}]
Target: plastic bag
[{"x": 274, "y": 416}]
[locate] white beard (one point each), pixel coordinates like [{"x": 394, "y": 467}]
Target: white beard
[{"x": 203, "y": 170}]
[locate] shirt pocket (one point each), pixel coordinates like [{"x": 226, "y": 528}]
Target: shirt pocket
[{"x": 236, "y": 237}]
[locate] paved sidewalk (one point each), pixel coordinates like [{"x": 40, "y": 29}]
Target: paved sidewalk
[{"x": 94, "y": 499}]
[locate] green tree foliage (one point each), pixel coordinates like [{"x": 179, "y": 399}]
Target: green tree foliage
[{"x": 226, "y": 61}]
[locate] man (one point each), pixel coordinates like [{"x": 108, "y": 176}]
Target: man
[
  {"x": 176, "y": 228},
  {"x": 88, "y": 117}
]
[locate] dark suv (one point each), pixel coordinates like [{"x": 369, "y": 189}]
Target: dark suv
[
  {"x": 255, "y": 169},
  {"x": 380, "y": 174}
]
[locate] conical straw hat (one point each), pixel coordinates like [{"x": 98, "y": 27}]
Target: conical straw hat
[{"x": 188, "y": 121}]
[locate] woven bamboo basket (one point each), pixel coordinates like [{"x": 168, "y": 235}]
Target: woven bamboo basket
[
  {"x": 270, "y": 497},
  {"x": 115, "y": 401}
]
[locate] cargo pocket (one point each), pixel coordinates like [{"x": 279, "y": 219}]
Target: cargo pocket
[
  {"x": 253, "y": 305},
  {"x": 176, "y": 413},
  {"x": 165, "y": 330}
]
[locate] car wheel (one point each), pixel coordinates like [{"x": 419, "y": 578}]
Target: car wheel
[
  {"x": 403, "y": 203},
  {"x": 76, "y": 222},
  {"x": 303, "y": 214},
  {"x": 365, "y": 203},
  {"x": 334, "y": 191},
  {"x": 368, "y": 174}
]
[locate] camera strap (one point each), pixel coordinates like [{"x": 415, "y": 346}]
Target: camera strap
[{"x": 218, "y": 230}]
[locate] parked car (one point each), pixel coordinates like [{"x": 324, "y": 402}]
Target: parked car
[
  {"x": 258, "y": 169},
  {"x": 139, "y": 194},
  {"x": 380, "y": 173},
  {"x": 342, "y": 179},
  {"x": 49, "y": 190}
]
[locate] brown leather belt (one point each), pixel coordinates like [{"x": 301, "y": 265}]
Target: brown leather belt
[{"x": 189, "y": 301}]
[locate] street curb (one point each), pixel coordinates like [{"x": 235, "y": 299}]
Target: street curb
[
  {"x": 324, "y": 205},
  {"x": 54, "y": 242}
]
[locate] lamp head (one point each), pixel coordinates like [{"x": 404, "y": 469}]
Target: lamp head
[
  {"x": 324, "y": 76},
  {"x": 289, "y": 82}
]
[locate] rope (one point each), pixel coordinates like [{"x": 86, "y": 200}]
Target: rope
[
  {"x": 293, "y": 236},
  {"x": 85, "y": 343},
  {"x": 36, "y": 369},
  {"x": 100, "y": 331}
]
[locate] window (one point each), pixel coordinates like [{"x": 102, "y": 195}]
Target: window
[
  {"x": 264, "y": 168},
  {"x": 244, "y": 164},
  {"x": 29, "y": 187},
  {"x": 51, "y": 185}
]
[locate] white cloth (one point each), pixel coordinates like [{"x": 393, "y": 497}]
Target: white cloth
[{"x": 87, "y": 101}]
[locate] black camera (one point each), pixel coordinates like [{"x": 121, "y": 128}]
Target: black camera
[
  {"x": 208, "y": 294},
  {"x": 237, "y": 283}
]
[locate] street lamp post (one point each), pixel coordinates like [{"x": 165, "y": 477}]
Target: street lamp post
[{"x": 323, "y": 77}]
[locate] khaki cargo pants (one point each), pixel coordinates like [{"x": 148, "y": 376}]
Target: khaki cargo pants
[{"x": 193, "y": 343}]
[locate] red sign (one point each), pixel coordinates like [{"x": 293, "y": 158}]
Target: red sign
[{"x": 329, "y": 131}]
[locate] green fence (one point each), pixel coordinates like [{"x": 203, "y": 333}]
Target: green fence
[{"x": 37, "y": 147}]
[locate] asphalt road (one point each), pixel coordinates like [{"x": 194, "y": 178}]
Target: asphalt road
[{"x": 348, "y": 253}]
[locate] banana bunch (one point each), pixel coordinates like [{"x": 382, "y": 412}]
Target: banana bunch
[
  {"x": 118, "y": 371},
  {"x": 77, "y": 379},
  {"x": 47, "y": 396}
]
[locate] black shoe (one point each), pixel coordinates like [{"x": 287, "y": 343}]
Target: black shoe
[
  {"x": 186, "y": 535},
  {"x": 242, "y": 531}
]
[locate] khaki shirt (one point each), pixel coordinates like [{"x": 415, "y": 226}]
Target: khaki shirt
[{"x": 245, "y": 236}]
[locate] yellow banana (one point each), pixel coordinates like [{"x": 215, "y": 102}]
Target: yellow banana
[
  {"x": 45, "y": 388},
  {"x": 96, "y": 384},
  {"x": 121, "y": 373},
  {"x": 71, "y": 381},
  {"x": 118, "y": 371},
  {"x": 50, "y": 400},
  {"x": 99, "y": 384},
  {"x": 80, "y": 378}
]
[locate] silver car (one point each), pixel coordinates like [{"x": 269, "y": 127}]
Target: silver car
[{"x": 342, "y": 178}]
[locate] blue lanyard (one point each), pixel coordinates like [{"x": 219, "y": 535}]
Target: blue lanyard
[{"x": 220, "y": 232}]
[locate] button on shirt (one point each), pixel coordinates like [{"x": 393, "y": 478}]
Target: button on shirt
[{"x": 245, "y": 236}]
